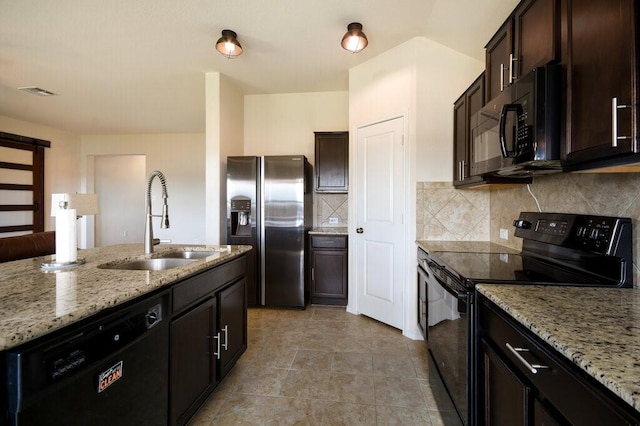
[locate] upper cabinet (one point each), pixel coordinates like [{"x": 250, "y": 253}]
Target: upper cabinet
[
  {"x": 599, "y": 51},
  {"x": 529, "y": 38},
  {"x": 332, "y": 161},
  {"x": 468, "y": 104}
]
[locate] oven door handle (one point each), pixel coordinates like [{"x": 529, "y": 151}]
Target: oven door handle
[{"x": 506, "y": 109}]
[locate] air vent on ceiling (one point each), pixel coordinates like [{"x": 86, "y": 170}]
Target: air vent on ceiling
[{"x": 36, "y": 91}]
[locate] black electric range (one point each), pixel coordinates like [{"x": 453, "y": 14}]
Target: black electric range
[{"x": 557, "y": 249}]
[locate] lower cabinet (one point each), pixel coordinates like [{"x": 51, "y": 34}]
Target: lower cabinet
[
  {"x": 208, "y": 333},
  {"x": 521, "y": 380},
  {"x": 193, "y": 365},
  {"x": 329, "y": 270}
]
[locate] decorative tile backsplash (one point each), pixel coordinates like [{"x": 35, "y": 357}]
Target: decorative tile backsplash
[
  {"x": 330, "y": 206},
  {"x": 444, "y": 213}
]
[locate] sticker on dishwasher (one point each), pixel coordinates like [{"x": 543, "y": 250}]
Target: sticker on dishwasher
[{"x": 109, "y": 376}]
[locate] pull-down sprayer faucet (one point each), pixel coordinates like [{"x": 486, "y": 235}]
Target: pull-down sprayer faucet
[{"x": 149, "y": 241}]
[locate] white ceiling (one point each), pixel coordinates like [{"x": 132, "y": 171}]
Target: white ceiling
[{"x": 137, "y": 66}]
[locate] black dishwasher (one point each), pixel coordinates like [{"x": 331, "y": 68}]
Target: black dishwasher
[{"x": 109, "y": 371}]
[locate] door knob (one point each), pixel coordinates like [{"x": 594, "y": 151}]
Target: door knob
[{"x": 359, "y": 230}]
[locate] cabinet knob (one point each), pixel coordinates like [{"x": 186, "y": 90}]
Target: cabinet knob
[{"x": 360, "y": 230}]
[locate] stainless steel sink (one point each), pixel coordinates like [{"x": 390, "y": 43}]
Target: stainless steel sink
[
  {"x": 188, "y": 254},
  {"x": 157, "y": 264}
]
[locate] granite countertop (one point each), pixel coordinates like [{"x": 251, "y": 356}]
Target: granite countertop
[
  {"x": 327, "y": 230},
  {"x": 598, "y": 329},
  {"x": 34, "y": 302},
  {"x": 464, "y": 246}
]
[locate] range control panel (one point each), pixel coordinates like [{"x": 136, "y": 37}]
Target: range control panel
[{"x": 604, "y": 235}]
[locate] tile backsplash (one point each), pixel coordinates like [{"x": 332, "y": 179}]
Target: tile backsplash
[
  {"x": 444, "y": 213},
  {"x": 331, "y": 206}
]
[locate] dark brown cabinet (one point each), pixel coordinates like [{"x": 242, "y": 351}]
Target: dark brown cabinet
[
  {"x": 521, "y": 380},
  {"x": 207, "y": 335},
  {"x": 471, "y": 101},
  {"x": 329, "y": 269},
  {"x": 233, "y": 324},
  {"x": 193, "y": 374},
  {"x": 528, "y": 38},
  {"x": 599, "y": 52},
  {"x": 332, "y": 161}
]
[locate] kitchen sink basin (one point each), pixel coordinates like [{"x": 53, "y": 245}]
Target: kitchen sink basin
[
  {"x": 157, "y": 264},
  {"x": 193, "y": 254}
]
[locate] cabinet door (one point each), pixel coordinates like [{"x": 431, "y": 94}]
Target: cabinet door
[
  {"x": 471, "y": 101},
  {"x": 329, "y": 277},
  {"x": 600, "y": 63},
  {"x": 332, "y": 161},
  {"x": 233, "y": 324},
  {"x": 505, "y": 398},
  {"x": 498, "y": 52},
  {"x": 192, "y": 363},
  {"x": 536, "y": 35}
]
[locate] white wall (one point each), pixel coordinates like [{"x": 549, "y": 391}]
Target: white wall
[
  {"x": 420, "y": 80},
  {"x": 180, "y": 157},
  {"x": 283, "y": 124},
  {"x": 62, "y": 159}
]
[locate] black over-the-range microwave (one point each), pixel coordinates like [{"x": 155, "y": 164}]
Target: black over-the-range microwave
[{"x": 518, "y": 132}]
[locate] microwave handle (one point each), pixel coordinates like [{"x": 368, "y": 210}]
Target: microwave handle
[{"x": 506, "y": 109}]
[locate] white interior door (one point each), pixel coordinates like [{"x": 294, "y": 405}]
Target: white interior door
[
  {"x": 120, "y": 186},
  {"x": 380, "y": 224}
]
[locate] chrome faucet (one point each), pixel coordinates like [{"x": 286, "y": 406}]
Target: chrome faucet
[{"x": 149, "y": 241}]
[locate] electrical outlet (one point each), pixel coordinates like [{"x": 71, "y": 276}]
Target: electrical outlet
[
  {"x": 504, "y": 234},
  {"x": 333, "y": 221}
]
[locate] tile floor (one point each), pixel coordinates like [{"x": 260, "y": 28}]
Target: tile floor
[{"x": 323, "y": 366}]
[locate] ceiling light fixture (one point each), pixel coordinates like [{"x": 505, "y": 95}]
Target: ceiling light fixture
[
  {"x": 36, "y": 91},
  {"x": 228, "y": 44},
  {"x": 354, "y": 40}
]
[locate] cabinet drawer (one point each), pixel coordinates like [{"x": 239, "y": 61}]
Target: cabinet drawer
[
  {"x": 328, "y": 242},
  {"x": 560, "y": 381},
  {"x": 195, "y": 288}
]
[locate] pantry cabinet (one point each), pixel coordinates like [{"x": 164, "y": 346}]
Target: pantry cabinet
[{"x": 599, "y": 54}]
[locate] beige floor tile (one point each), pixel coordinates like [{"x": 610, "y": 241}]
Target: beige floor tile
[
  {"x": 401, "y": 392},
  {"x": 345, "y": 414},
  {"x": 357, "y": 389},
  {"x": 296, "y": 411},
  {"x": 312, "y": 360},
  {"x": 309, "y": 384},
  {"x": 324, "y": 366},
  {"x": 352, "y": 363},
  {"x": 256, "y": 380},
  {"x": 393, "y": 366},
  {"x": 398, "y": 416},
  {"x": 245, "y": 410}
]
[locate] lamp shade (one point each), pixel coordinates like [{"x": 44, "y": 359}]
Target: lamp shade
[
  {"x": 84, "y": 204},
  {"x": 228, "y": 45},
  {"x": 354, "y": 40}
]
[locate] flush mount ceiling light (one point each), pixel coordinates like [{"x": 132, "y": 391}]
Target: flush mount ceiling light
[
  {"x": 228, "y": 44},
  {"x": 354, "y": 40},
  {"x": 36, "y": 91}
]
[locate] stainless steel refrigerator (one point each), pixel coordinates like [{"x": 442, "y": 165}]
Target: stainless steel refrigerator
[{"x": 269, "y": 206}]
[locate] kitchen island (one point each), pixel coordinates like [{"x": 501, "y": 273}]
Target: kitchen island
[
  {"x": 596, "y": 329},
  {"x": 34, "y": 302},
  {"x": 79, "y": 345}
]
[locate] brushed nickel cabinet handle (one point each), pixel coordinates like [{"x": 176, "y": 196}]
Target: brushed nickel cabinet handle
[
  {"x": 614, "y": 122},
  {"x": 533, "y": 368}
]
